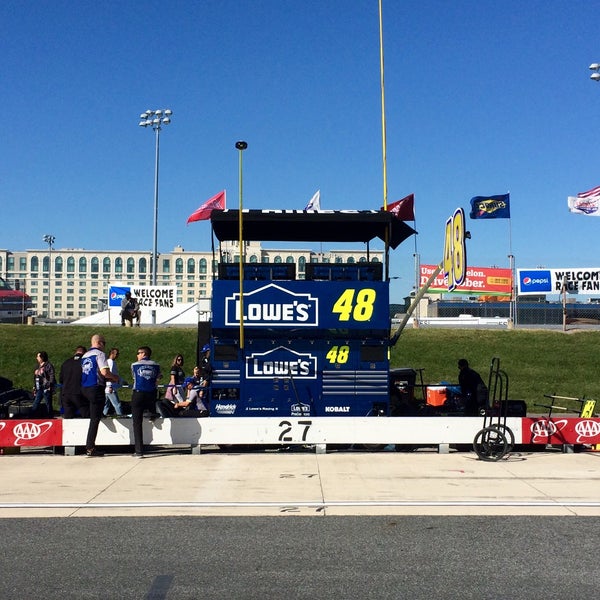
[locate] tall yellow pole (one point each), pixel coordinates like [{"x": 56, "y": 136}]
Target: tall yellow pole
[
  {"x": 383, "y": 133},
  {"x": 241, "y": 146}
]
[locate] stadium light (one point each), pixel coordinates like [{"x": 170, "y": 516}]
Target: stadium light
[
  {"x": 49, "y": 239},
  {"x": 596, "y": 74},
  {"x": 155, "y": 119}
]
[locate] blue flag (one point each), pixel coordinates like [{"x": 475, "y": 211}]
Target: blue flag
[{"x": 490, "y": 207}]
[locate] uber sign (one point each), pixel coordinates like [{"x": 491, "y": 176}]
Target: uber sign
[
  {"x": 273, "y": 306},
  {"x": 281, "y": 362}
]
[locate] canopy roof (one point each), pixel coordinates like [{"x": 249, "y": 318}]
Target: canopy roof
[{"x": 311, "y": 226}]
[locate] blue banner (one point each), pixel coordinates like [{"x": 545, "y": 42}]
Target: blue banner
[{"x": 490, "y": 207}]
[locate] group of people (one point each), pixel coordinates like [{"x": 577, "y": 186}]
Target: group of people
[{"x": 89, "y": 388}]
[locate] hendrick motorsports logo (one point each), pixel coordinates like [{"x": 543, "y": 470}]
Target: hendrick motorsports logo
[
  {"x": 273, "y": 306},
  {"x": 225, "y": 408},
  {"x": 281, "y": 362}
]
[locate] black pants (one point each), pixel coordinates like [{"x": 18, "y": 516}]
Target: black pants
[
  {"x": 141, "y": 401},
  {"x": 73, "y": 404},
  {"x": 95, "y": 398}
]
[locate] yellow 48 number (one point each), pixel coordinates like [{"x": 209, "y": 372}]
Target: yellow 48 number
[
  {"x": 455, "y": 249},
  {"x": 360, "y": 308}
]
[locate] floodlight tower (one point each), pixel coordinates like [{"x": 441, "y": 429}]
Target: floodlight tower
[
  {"x": 49, "y": 239},
  {"x": 155, "y": 119}
]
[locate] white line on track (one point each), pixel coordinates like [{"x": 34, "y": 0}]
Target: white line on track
[{"x": 95, "y": 505}]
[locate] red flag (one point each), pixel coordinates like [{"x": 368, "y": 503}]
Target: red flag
[
  {"x": 217, "y": 202},
  {"x": 403, "y": 209}
]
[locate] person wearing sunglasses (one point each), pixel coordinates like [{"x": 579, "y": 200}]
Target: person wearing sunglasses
[{"x": 146, "y": 374}]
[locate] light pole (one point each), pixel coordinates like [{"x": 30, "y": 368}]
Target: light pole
[
  {"x": 155, "y": 119},
  {"x": 49, "y": 239}
]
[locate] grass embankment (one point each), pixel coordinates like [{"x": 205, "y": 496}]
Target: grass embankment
[{"x": 537, "y": 362}]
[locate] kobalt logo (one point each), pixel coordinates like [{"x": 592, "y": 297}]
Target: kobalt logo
[
  {"x": 337, "y": 409},
  {"x": 274, "y": 306},
  {"x": 281, "y": 362},
  {"x": 586, "y": 430},
  {"x": 29, "y": 431}
]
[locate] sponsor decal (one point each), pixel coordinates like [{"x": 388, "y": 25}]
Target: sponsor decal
[
  {"x": 563, "y": 431},
  {"x": 225, "y": 409},
  {"x": 31, "y": 433},
  {"x": 299, "y": 409},
  {"x": 337, "y": 409},
  {"x": 281, "y": 362},
  {"x": 273, "y": 306}
]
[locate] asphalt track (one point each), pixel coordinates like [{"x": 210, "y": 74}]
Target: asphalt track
[
  {"x": 254, "y": 558},
  {"x": 299, "y": 525}
]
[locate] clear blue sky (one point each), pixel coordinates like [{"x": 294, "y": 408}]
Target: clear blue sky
[{"x": 482, "y": 97}]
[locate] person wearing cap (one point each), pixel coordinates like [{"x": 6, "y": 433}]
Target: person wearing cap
[
  {"x": 192, "y": 406},
  {"x": 206, "y": 373}
]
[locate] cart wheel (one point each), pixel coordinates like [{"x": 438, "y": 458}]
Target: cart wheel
[
  {"x": 508, "y": 434},
  {"x": 490, "y": 444}
]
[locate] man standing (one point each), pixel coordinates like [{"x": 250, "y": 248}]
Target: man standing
[
  {"x": 95, "y": 372},
  {"x": 472, "y": 388},
  {"x": 71, "y": 398},
  {"x": 146, "y": 374}
]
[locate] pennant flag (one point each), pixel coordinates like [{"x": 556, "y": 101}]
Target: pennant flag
[
  {"x": 490, "y": 207},
  {"x": 403, "y": 209},
  {"x": 315, "y": 202},
  {"x": 217, "y": 202},
  {"x": 589, "y": 206}
]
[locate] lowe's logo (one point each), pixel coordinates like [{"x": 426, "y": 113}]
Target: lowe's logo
[
  {"x": 281, "y": 362},
  {"x": 273, "y": 306}
]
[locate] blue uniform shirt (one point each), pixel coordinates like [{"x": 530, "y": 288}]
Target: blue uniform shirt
[
  {"x": 145, "y": 374},
  {"x": 92, "y": 362}
]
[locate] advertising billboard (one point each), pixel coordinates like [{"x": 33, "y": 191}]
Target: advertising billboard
[
  {"x": 551, "y": 281},
  {"x": 478, "y": 280}
]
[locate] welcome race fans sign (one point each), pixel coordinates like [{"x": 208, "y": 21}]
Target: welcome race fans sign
[{"x": 148, "y": 296}]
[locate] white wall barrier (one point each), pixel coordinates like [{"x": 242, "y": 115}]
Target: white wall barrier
[{"x": 317, "y": 431}]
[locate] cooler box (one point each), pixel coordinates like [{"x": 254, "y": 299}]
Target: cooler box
[{"x": 436, "y": 395}]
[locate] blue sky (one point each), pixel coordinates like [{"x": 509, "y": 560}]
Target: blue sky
[{"x": 482, "y": 97}]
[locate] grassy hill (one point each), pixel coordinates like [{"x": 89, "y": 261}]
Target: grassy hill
[{"x": 537, "y": 362}]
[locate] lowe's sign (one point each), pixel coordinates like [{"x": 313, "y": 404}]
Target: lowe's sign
[
  {"x": 281, "y": 362},
  {"x": 273, "y": 306},
  {"x": 553, "y": 281}
]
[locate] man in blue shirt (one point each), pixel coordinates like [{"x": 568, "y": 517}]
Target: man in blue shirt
[
  {"x": 95, "y": 372},
  {"x": 146, "y": 374}
]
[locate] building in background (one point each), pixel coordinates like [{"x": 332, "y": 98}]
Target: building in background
[{"x": 73, "y": 283}]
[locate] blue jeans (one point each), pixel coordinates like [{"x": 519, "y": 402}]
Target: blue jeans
[
  {"x": 112, "y": 398},
  {"x": 46, "y": 396}
]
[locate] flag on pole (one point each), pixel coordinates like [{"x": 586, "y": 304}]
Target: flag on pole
[
  {"x": 217, "y": 202},
  {"x": 490, "y": 207},
  {"x": 403, "y": 209},
  {"x": 589, "y": 205},
  {"x": 315, "y": 202},
  {"x": 593, "y": 192}
]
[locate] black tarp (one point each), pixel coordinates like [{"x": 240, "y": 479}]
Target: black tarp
[{"x": 309, "y": 226}]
